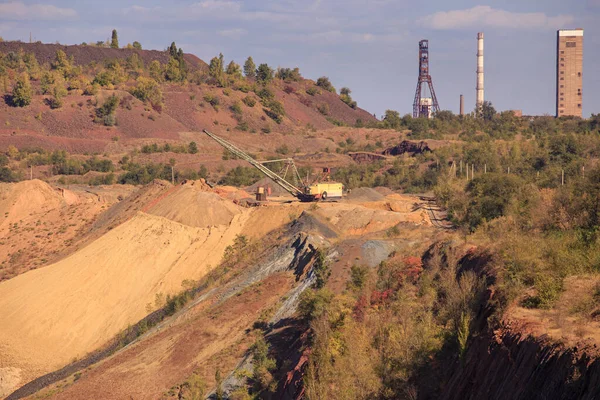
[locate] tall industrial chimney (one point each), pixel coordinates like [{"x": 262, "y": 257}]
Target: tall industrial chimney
[
  {"x": 462, "y": 105},
  {"x": 479, "y": 71}
]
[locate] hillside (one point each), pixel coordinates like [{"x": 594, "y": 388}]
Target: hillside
[{"x": 182, "y": 105}]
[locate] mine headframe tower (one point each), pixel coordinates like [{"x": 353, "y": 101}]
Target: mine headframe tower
[{"x": 425, "y": 104}]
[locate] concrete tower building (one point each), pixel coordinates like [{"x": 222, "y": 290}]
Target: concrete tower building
[
  {"x": 569, "y": 73},
  {"x": 480, "y": 96}
]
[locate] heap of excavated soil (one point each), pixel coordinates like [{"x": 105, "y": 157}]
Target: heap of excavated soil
[
  {"x": 52, "y": 315},
  {"x": 21, "y": 200},
  {"x": 364, "y": 194},
  {"x": 352, "y": 219},
  {"x": 191, "y": 204}
]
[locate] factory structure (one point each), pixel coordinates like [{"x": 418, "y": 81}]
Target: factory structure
[
  {"x": 425, "y": 104},
  {"x": 479, "y": 87},
  {"x": 569, "y": 78},
  {"x": 569, "y": 73}
]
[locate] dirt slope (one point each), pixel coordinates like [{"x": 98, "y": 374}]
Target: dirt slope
[
  {"x": 38, "y": 222},
  {"x": 69, "y": 308}
]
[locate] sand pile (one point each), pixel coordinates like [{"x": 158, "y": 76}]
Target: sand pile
[
  {"x": 51, "y": 315},
  {"x": 19, "y": 201},
  {"x": 364, "y": 194},
  {"x": 232, "y": 193},
  {"x": 190, "y": 204},
  {"x": 354, "y": 219}
]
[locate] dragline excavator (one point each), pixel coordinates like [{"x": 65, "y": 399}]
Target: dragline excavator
[{"x": 305, "y": 192}]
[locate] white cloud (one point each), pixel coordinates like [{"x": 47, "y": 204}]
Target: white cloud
[
  {"x": 235, "y": 33},
  {"x": 486, "y": 16},
  {"x": 34, "y": 12}
]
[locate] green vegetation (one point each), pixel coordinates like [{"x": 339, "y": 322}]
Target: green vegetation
[
  {"x": 148, "y": 90},
  {"x": 106, "y": 113},
  {"x": 346, "y": 98},
  {"x": 324, "y": 83},
  {"x": 250, "y": 68},
  {"x": 264, "y": 74},
  {"x": 114, "y": 42},
  {"x": 241, "y": 177},
  {"x": 22, "y": 93}
]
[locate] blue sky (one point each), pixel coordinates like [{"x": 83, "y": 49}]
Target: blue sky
[{"x": 369, "y": 46}]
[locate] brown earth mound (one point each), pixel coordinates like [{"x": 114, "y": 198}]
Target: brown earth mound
[
  {"x": 83, "y": 55},
  {"x": 191, "y": 204},
  {"x": 364, "y": 194}
]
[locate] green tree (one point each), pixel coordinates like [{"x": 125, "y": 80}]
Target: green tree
[
  {"x": 250, "y": 68},
  {"x": 215, "y": 69},
  {"x": 193, "y": 148},
  {"x": 264, "y": 74},
  {"x": 173, "y": 49},
  {"x": 137, "y": 45},
  {"x": 488, "y": 112},
  {"x": 173, "y": 71},
  {"x": 148, "y": 90},
  {"x": 22, "y": 93},
  {"x": 234, "y": 69},
  {"x": 114, "y": 42},
  {"x": 58, "y": 93},
  {"x": 392, "y": 119}
]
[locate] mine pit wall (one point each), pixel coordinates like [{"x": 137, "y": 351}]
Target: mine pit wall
[
  {"x": 502, "y": 363},
  {"x": 505, "y": 365}
]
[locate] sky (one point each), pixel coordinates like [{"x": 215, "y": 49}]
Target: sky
[{"x": 370, "y": 46}]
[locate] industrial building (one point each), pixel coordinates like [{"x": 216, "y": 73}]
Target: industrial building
[{"x": 569, "y": 73}]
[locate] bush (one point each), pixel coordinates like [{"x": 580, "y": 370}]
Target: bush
[
  {"x": 249, "y": 101},
  {"x": 312, "y": 91},
  {"x": 193, "y": 148},
  {"x": 212, "y": 100},
  {"x": 325, "y": 84},
  {"x": 137, "y": 45},
  {"x": 323, "y": 108},
  {"x": 147, "y": 90},
  {"x": 22, "y": 93},
  {"x": 236, "y": 108}
]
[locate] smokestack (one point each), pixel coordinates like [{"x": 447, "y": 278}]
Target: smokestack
[
  {"x": 462, "y": 105},
  {"x": 479, "y": 71}
]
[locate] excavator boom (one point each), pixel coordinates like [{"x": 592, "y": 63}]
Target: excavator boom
[{"x": 291, "y": 189}]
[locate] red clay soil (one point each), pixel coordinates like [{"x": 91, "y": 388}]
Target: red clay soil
[
  {"x": 213, "y": 338},
  {"x": 184, "y": 109},
  {"x": 83, "y": 55}
]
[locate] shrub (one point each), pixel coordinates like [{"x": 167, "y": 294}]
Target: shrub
[
  {"x": 236, "y": 108},
  {"x": 58, "y": 93},
  {"x": 147, "y": 90},
  {"x": 137, "y": 45},
  {"x": 212, "y": 100},
  {"x": 312, "y": 91},
  {"x": 193, "y": 148},
  {"x": 249, "y": 101},
  {"x": 282, "y": 149},
  {"x": 91, "y": 89},
  {"x": 265, "y": 94},
  {"x": 325, "y": 84},
  {"x": 22, "y": 93},
  {"x": 288, "y": 74},
  {"x": 323, "y": 108}
]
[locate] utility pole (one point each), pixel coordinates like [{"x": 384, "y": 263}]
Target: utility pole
[
  {"x": 562, "y": 181},
  {"x": 472, "y": 171},
  {"x": 485, "y": 168},
  {"x": 31, "y": 173},
  {"x": 583, "y": 171}
]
